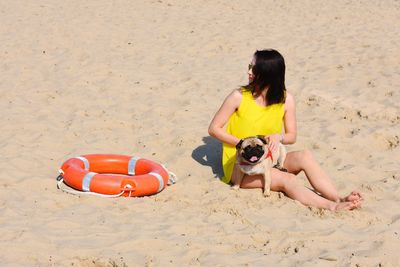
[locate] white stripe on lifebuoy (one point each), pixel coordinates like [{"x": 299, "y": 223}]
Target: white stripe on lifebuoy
[
  {"x": 86, "y": 181},
  {"x": 85, "y": 162},
  {"x": 132, "y": 165},
  {"x": 160, "y": 180}
]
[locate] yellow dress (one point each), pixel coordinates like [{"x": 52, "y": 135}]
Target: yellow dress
[{"x": 248, "y": 120}]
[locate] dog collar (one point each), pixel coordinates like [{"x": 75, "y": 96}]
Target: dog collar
[{"x": 269, "y": 155}]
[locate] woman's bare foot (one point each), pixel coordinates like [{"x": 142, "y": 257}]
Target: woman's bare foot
[
  {"x": 346, "y": 205},
  {"x": 353, "y": 196}
]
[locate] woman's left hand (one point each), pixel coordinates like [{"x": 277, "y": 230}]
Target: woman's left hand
[{"x": 273, "y": 141}]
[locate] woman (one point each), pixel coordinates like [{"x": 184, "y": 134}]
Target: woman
[{"x": 264, "y": 107}]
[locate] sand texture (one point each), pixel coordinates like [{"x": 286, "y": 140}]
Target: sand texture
[{"x": 145, "y": 78}]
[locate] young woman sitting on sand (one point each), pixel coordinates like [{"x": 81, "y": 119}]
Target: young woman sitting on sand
[{"x": 264, "y": 107}]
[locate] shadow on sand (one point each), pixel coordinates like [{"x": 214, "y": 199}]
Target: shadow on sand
[{"x": 210, "y": 154}]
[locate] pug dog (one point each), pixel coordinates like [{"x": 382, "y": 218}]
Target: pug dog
[{"x": 254, "y": 157}]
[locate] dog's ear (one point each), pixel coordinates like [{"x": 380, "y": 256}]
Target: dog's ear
[
  {"x": 262, "y": 138},
  {"x": 238, "y": 145}
]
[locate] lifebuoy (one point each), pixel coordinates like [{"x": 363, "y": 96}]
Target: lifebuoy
[{"x": 111, "y": 174}]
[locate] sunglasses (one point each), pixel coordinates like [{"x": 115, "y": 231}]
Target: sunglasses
[{"x": 250, "y": 66}]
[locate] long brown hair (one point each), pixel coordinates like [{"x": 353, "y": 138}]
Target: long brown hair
[{"x": 269, "y": 72}]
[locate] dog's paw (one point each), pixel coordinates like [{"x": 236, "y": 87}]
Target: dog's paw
[
  {"x": 235, "y": 187},
  {"x": 267, "y": 193}
]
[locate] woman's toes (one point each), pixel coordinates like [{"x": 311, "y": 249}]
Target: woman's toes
[
  {"x": 353, "y": 196},
  {"x": 347, "y": 205},
  {"x": 357, "y": 194}
]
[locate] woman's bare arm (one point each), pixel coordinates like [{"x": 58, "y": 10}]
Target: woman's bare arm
[
  {"x": 228, "y": 107},
  {"x": 289, "y": 120}
]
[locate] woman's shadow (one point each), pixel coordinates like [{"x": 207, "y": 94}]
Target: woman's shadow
[{"x": 209, "y": 154}]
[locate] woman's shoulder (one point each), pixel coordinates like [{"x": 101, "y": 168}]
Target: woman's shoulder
[
  {"x": 245, "y": 92},
  {"x": 236, "y": 94},
  {"x": 289, "y": 100},
  {"x": 288, "y": 96},
  {"x": 234, "y": 98}
]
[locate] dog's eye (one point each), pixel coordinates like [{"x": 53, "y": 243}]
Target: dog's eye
[{"x": 259, "y": 146}]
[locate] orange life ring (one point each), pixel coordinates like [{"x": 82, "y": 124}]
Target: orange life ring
[{"x": 114, "y": 174}]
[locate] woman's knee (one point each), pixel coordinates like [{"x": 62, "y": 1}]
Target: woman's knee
[
  {"x": 307, "y": 154},
  {"x": 304, "y": 156},
  {"x": 289, "y": 181},
  {"x": 281, "y": 181}
]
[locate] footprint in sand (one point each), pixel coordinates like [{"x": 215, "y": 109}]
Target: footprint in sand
[
  {"x": 393, "y": 142},
  {"x": 313, "y": 101},
  {"x": 354, "y": 132}
]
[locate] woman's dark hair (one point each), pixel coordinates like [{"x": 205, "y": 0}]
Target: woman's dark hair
[{"x": 269, "y": 71}]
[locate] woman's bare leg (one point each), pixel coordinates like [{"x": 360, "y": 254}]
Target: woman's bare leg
[
  {"x": 286, "y": 182},
  {"x": 298, "y": 161}
]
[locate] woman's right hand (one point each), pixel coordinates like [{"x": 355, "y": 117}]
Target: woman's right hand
[{"x": 273, "y": 141}]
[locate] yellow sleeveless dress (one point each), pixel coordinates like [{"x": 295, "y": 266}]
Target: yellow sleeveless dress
[{"x": 248, "y": 120}]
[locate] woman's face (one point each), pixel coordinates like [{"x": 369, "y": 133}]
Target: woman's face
[{"x": 250, "y": 71}]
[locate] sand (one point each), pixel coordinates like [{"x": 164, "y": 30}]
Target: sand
[{"x": 145, "y": 79}]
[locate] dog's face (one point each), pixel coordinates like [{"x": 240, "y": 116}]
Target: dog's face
[{"x": 252, "y": 149}]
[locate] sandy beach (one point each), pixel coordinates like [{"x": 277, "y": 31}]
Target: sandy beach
[{"x": 145, "y": 78}]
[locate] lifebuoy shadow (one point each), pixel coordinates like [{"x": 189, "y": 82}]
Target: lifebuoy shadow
[{"x": 210, "y": 154}]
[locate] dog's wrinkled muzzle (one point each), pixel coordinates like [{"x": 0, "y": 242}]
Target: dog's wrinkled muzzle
[{"x": 253, "y": 154}]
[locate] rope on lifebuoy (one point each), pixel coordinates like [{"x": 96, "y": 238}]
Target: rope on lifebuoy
[
  {"x": 61, "y": 185},
  {"x": 172, "y": 178}
]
